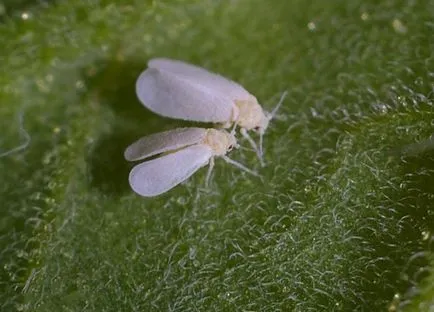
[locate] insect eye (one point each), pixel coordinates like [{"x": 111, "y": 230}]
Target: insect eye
[{"x": 230, "y": 147}]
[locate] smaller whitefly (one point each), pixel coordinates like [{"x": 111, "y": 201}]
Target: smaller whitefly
[
  {"x": 179, "y": 90},
  {"x": 180, "y": 153}
]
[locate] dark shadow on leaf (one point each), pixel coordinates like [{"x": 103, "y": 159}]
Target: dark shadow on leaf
[{"x": 108, "y": 168}]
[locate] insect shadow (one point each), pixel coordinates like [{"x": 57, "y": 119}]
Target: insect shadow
[{"x": 112, "y": 83}]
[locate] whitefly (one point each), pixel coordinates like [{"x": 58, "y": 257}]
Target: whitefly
[
  {"x": 181, "y": 152},
  {"x": 179, "y": 90}
]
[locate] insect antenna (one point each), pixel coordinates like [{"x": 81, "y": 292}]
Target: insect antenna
[{"x": 276, "y": 108}]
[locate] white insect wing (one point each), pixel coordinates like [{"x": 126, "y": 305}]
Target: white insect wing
[
  {"x": 159, "y": 175},
  {"x": 161, "y": 142},
  {"x": 173, "y": 96},
  {"x": 202, "y": 77}
]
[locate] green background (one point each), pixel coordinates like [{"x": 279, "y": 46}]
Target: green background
[{"x": 343, "y": 221}]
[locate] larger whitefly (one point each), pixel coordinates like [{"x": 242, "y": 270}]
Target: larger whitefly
[{"x": 179, "y": 90}]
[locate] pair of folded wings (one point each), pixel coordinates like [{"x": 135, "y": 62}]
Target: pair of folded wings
[
  {"x": 178, "y": 90},
  {"x": 159, "y": 175}
]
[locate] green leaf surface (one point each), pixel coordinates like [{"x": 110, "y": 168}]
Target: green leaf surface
[{"x": 342, "y": 221}]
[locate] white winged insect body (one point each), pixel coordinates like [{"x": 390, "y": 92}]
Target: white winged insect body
[
  {"x": 179, "y": 90},
  {"x": 181, "y": 152}
]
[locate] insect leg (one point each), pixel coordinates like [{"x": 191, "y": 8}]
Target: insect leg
[
  {"x": 241, "y": 166},
  {"x": 208, "y": 174}
]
